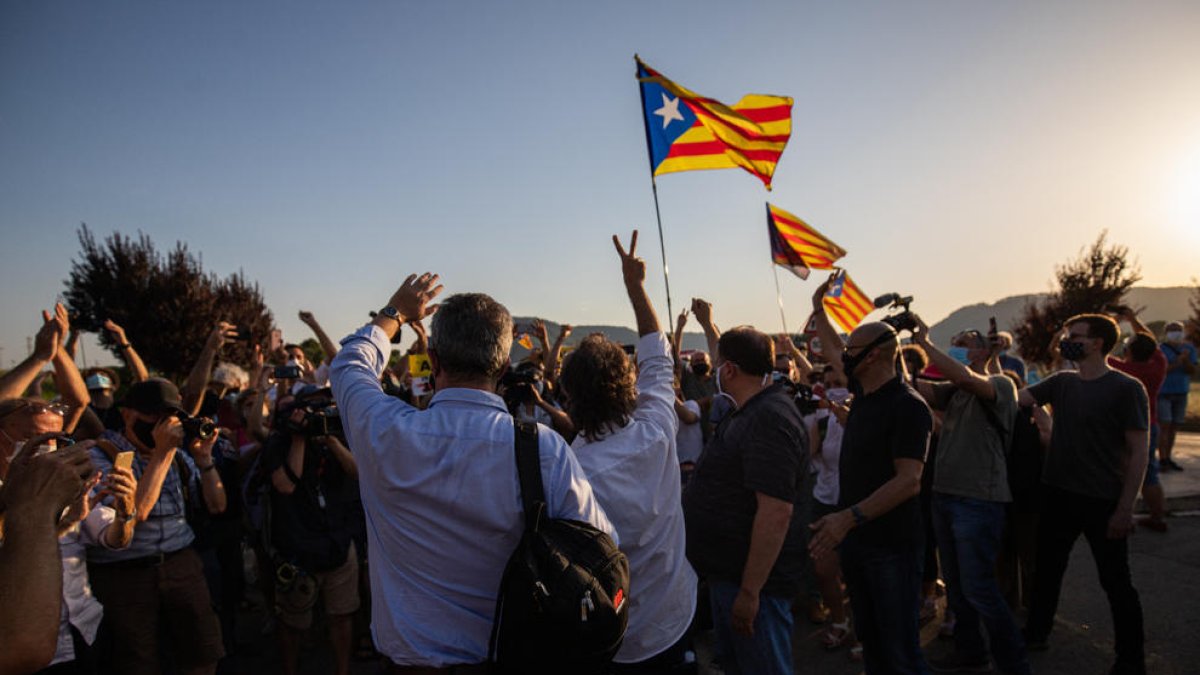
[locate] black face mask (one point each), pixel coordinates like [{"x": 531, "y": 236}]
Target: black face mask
[
  {"x": 1071, "y": 351},
  {"x": 145, "y": 432},
  {"x": 849, "y": 363},
  {"x": 700, "y": 369}
]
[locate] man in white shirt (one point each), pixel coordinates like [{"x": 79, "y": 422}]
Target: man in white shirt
[
  {"x": 626, "y": 445},
  {"x": 440, "y": 485}
]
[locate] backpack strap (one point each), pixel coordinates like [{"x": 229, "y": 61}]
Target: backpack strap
[{"x": 529, "y": 472}]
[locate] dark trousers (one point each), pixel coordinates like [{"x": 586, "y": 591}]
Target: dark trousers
[
  {"x": 1065, "y": 516},
  {"x": 885, "y": 594},
  {"x": 84, "y": 662}
]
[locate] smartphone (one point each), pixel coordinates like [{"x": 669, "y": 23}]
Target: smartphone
[
  {"x": 992, "y": 330},
  {"x": 276, "y": 341},
  {"x": 124, "y": 460},
  {"x": 286, "y": 372}
]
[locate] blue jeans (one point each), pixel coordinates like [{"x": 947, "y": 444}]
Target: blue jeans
[
  {"x": 885, "y": 593},
  {"x": 969, "y": 534},
  {"x": 769, "y": 650}
]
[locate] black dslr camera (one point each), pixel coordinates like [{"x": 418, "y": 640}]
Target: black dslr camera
[
  {"x": 518, "y": 385},
  {"x": 802, "y": 394},
  {"x": 197, "y": 428},
  {"x": 315, "y": 415},
  {"x": 902, "y": 320}
]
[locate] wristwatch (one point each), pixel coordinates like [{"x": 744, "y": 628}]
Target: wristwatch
[
  {"x": 859, "y": 518},
  {"x": 128, "y": 517},
  {"x": 392, "y": 313}
]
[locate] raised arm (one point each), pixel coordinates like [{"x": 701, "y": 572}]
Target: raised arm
[
  {"x": 702, "y": 309},
  {"x": 14, "y": 383},
  {"x": 633, "y": 269},
  {"x": 67, "y": 379},
  {"x": 831, "y": 345},
  {"x": 958, "y": 374},
  {"x": 193, "y": 389},
  {"x": 328, "y": 347},
  {"x": 128, "y": 353},
  {"x": 553, "y": 359},
  {"x": 677, "y": 340}
]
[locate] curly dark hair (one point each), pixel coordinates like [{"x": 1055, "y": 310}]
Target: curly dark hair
[{"x": 600, "y": 385}]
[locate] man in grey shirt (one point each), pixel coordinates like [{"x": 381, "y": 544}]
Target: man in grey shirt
[{"x": 970, "y": 491}]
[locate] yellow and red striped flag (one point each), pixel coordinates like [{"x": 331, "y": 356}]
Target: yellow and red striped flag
[
  {"x": 686, "y": 131},
  {"x": 846, "y": 304},
  {"x": 796, "y": 246}
]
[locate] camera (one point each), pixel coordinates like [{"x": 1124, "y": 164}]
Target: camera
[
  {"x": 902, "y": 320},
  {"x": 802, "y": 394},
  {"x": 289, "y": 372},
  {"x": 197, "y": 428},
  {"x": 518, "y": 386},
  {"x": 315, "y": 414}
]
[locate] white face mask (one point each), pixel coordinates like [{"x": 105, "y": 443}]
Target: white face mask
[
  {"x": 1174, "y": 336},
  {"x": 837, "y": 394}
]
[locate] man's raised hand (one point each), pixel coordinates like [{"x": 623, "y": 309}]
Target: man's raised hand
[
  {"x": 632, "y": 267},
  {"x": 819, "y": 294},
  {"x": 702, "y": 309},
  {"x": 411, "y": 300}
]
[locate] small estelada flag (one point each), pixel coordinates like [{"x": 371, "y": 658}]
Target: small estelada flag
[
  {"x": 796, "y": 246},
  {"x": 846, "y": 304}
]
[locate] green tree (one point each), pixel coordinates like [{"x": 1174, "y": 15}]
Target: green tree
[
  {"x": 1098, "y": 278},
  {"x": 167, "y": 303}
]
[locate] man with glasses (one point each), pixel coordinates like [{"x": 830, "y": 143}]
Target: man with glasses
[
  {"x": 157, "y": 583},
  {"x": 1093, "y": 471},
  {"x": 878, "y": 526}
]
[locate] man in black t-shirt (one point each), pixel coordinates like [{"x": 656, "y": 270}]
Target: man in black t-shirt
[
  {"x": 879, "y": 525},
  {"x": 739, "y": 505},
  {"x": 1099, "y": 449}
]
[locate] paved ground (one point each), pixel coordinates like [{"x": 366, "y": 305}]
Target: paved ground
[{"x": 1166, "y": 570}]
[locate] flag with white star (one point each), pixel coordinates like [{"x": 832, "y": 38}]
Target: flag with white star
[{"x": 686, "y": 131}]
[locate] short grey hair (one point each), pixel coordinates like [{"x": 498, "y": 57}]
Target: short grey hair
[
  {"x": 231, "y": 375},
  {"x": 472, "y": 334}
]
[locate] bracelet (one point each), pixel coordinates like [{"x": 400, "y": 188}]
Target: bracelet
[
  {"x": 210, "y": 467},
  {"x": 125, "y": 346}
]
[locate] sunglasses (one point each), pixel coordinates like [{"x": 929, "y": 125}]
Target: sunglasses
[{"x": 38, "y": 409}]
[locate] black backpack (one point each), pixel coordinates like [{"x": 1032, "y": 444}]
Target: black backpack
[{"x": 564, "y": 598}]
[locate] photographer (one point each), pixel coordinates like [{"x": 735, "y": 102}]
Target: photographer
[
  {"x": 878, "y": 525},
  {"x": 971, "y": 494},
  {"x": 156, "y": 585},
  {"x": 311, "y": 524},
  {"x": 525, "y": 392}
]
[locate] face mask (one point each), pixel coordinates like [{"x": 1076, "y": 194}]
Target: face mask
[
  {"x": 700, "y": 369},
  {"x": 1175, "y": 336},
  {"x": 960, "y": 354},
  {"x": 837, "y": 394},
  {"x": 1071, "y": 351},
  {"x": 144, "y": 432}
]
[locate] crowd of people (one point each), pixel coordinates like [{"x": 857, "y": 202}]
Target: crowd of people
[{"x": 758, "y": 480}]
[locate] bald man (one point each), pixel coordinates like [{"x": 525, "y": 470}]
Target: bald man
[{"x": 878, "y": 525}]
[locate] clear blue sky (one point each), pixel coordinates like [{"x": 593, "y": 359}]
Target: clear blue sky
[{"x": 957, "y": 150}]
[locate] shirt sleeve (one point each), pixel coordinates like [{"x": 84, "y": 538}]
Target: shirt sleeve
[
  {"x": 354, "y": 374},
  {"x": 1043, "y": 392},
  {"x": 656, "y": 384},
  {"x": 569, "y": 495},
  {"x": 96, "y": 524},
  {"x": 912, "y": 426},
  {"x": 772, "y": 457}
]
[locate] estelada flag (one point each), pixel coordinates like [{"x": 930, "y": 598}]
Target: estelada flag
[
  {"x": 796, "y": 246},
  {"x": 846, "y": 304},
  {"x": 686, "y": 131}
]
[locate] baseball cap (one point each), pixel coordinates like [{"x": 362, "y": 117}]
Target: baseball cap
[{"x": 153, "y": 397}]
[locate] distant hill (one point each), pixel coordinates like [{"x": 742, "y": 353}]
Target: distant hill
[{"x": 1154, "y": 304}]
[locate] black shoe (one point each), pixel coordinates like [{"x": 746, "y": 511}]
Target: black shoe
[
  {"x": 1120, "y": 668},
  {"x": 1172, "y": 465},
  {"x": 958, "y": 662}
]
